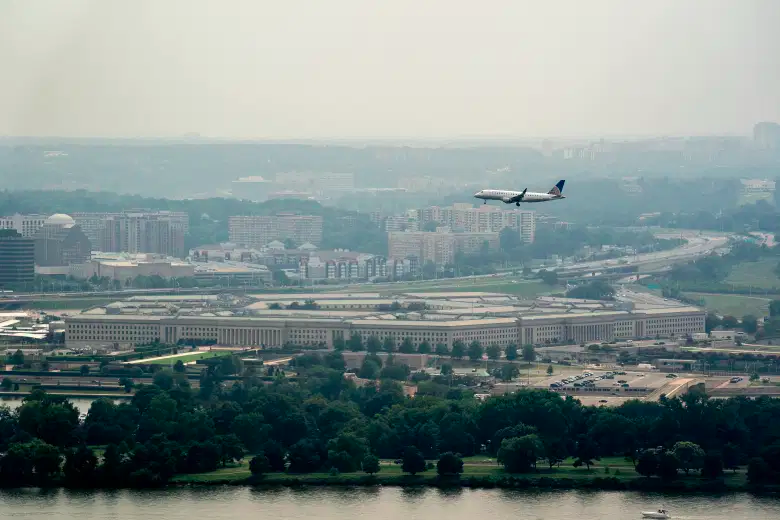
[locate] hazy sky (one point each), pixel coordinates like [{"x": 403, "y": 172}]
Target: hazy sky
[{"x": 392, "y": 68}]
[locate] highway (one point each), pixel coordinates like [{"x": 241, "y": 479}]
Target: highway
[{"x": 697, "y": 246}]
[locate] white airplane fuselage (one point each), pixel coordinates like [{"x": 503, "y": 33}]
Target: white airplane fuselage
[{"x": 507, "y": 196}]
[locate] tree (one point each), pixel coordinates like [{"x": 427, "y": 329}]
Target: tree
[
  {"x": 80, "y": 466},
  {"x": 369, "y": 369},
  {"x": 749, "y": 324},
  {"x": 774, "y": 308},
  {"x": 509, "y": 371},
  {"x": 388, "y": 344},
  {"x": 446, "y": 369},
  {"x": 449, "y": 465},
  {"x": 179, "y": 367},
  {"x": 754, "y": 376},
  {"x": 519, "y": 454},
  {"x": 598, "y": 290},
  {"x": 758, "y": 471},
  {"x": 548, "y": 277},
  {"x": 259, "y": 465},
  {"x": 458, "y": 349},
  {"x": 554, "y": 451},
  {"x": 550, "y": 370},
  {"x": 346, "y": 452},
  {"x": 529, "y": 353},
  {"x": 396, "y": 372},
  {"x": 424, "y": 347},
  {"x": 17, "y": 358},
  {"x": 355, "y": 342},
  {"x": 730, "y": 455},
  {"x": 667, "y": 465},
  {"x": 475, "y": 351},
  {"x": 339, "y": 344},
  {"x": 689, "y": 455},
  {"x": 712, "y": 466},
  {"x": 163, "y": 379},
  {"x": 413, "y": 461},
  {"x": 306, "y": 456},
  {"x": 84, "y": 370},
  {"x": 729, "y": 322},
  {"x": 373, "y": 345},
  {"x": 7, "y": 383},
  {"x": 711, "y": 322},
  {"x": 407, "y": 347},
  {"x": 370, "y": 464},
  {"x": 647, "y": 465},
  {"x": 511, "y": 352},
  {"x": 442, "y": 349},
  {"x": 493, "y": 352},
  {"x": 585, "y": 452}
]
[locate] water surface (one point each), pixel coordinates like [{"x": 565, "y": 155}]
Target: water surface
[{"x": 237, "y": 503}]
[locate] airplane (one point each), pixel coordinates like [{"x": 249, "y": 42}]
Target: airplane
[{"x": 508, "y": 197}]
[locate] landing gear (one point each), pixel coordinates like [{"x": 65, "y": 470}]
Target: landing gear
[
  {"x": 484, "y": 201},
  {"x": 517, "y": 204}
]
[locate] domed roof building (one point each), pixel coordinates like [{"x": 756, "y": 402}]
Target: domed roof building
[
  {"x": 60, "y": 242},
  {"x": 60, "y": 219}
]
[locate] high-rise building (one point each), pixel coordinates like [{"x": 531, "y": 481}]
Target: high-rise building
[
  {"x": 438, "y": 247},
  {"x": 159, "y": 233},
  {"x": 484, "y": 219},
  {"x": 95, "y": 225},
  {"x": 260, "y": 230},
  {"x": 26, "y": 225},
  {"x": 766, "y": 135},
  {"x": 401, "y": 223},
  {"x": 17, "y": 258},
  {"x": 61, "y": 242}
]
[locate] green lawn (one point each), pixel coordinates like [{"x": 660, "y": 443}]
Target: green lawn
[
  {"x": 189, "y": 357},
  {"x": 733, "y": 304},
  {"x": 755, "y": 274},
  {"x": 476, "y": 466}
]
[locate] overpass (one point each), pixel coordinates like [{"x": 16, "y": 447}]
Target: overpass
[{"x": 676, "y": 388}]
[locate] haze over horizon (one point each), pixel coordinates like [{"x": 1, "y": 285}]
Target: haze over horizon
[{"x": 350, "y": 69}]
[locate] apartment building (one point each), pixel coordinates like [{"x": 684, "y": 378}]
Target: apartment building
[
  {"x": 438, "y": 247},
  {"x": 257, "y": 231},
  {"x": 26, "y": 225},
  {"x": 93, "y": 224},
  {"x": 143, "y": 233},
  {"x": 484, "y": 219}
]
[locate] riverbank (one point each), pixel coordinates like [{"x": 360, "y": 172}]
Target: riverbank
[{"x": 613, "y": 475}]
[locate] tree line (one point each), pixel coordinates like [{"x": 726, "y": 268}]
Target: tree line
[{"x": 322, "y": 421}]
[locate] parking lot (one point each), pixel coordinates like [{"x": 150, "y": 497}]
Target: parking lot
[{"x": 602, "y": 382}]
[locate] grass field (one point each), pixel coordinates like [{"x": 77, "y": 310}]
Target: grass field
[
  {"x": 755, "y": 274},
  {"x": 477, "y": 466},
  {"x": 186, "y": 358},
  {"x": 733, "y": 304}
]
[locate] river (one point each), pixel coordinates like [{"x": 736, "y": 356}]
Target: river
[
  {"x": 82, "y": 404},
  {"x": 237, "y": 503}
]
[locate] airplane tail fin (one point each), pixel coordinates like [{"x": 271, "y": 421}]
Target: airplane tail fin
[{"x": 558, "y": 188}]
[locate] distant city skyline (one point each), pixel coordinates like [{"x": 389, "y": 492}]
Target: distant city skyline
[{"x": 399, "y": 71}]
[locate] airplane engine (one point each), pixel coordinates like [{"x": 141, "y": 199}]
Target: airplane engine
[{"x": 507, "y": 200}]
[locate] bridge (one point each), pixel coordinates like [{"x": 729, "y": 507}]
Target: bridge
[{"x": 675, "y": 388}]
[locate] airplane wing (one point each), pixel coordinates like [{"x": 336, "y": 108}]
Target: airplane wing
[{"x": 517, "y": 198}]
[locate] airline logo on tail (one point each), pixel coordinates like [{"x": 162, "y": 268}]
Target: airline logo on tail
[{"x": 557, "y": 189}]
